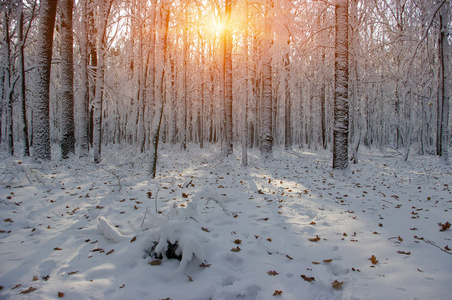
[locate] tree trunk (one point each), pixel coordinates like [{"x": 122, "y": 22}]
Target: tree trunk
[
  {"x": 104, "y": 10},
  {"x": 83, "y": 103},
  {"x": 341, "y": 106},
  {"x": 67, "y": 80},
  {"x": 41, "y": 114},
  {"x": 159, "y": 99},
  {"x": 444, "y": 155},
  {"x": 8, "y": 84},
  {"x": 23, "y": 104},
  {"x": 245, "y": 101},
  {"x": 266, "y": 144},
  {"x": 228, "y": 150}
]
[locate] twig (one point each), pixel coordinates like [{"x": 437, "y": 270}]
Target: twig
[
  {"x": 144, "y": 218},
  {"x": 433, "y": 244},
  {"x": 156, "y": 198}
]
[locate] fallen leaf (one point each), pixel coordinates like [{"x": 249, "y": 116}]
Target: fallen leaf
[
  {"x": 60, "y": 295},
  {"x": 8, "y": 220},
  {"x": 373, "y": 259},
  {"x": 156, "y": 262},
  {"x": 327, "y": 260},
  {"x": 205, "y": 229},
  {"x": 133, "y": 239},
  {"x": 57, "y": 248},
  {"x": 189, "y": 278},
  {"x": 316, "y": 263},
  {"x": 337, "y": 284},
  {"x": 35, "y": 278},
  {"x": 237, "y": 241},
  {"x": 287, "y": 255},
  {"x": 204, "y": 265},
  {"x": 72, "y": 273},
  {"x": 184, "y": 195},
  {"x": 122, "y": 286},
  {"x": 16, "y": 286},
  {"x": 316, "y": 239},
  {"x": 308, "y": 279},
  {"x": 272, "y": 273},
  {"x": 29, "y": 290},
  {"x": 277, "y": 293},
  {"x": 444, "y": 226},
  {"x": 269, "y": 239},
  {"x": 110, "y": 252},
  {"x": 236, "y": 249},
  {"x": 403, "y": 252}
]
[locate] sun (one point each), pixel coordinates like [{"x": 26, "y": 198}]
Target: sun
[{"x": 217, "y": 26}]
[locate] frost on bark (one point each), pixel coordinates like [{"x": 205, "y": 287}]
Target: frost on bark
[
  {"x": 445, "y": 82},
  {"x": 82, "y": 103},
  {"x": 341, "y": 106},
  {"x": 44, "y": 43},
  {"x": 287, "y": 100},
  {"x": 67, "y": 81},
  {"x": 104, "y": 10},
  {"x": 228, "y": 147},
  {"x": 159, "y": 101},
  {"x": 22, "y": 102},
  {"x": 8, "y": 84},
  {"x": 266, "y": 145}
]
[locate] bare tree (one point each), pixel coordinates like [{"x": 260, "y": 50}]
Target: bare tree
[
  {"x": 445, "y": 81},
  {"x": 44, "y": 44},
  {"x": 67, "y": 80},
  {"x": 341, "y": 106}
]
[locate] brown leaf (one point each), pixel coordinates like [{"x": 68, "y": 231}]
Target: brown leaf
[
  {"x": 60, "y": 295},
  {"x": 327, "y": 260},
  {"x": 205, "y": 229},
  {"x": 184, "y": 195},
  {"x": 272, "y": 273},
  {"x": 316, "y": 263},
  {"x": 373, "y": 259},
  {"x": 444, "y": 226},
  {"x": 236, "y": 249},
  {"x": 57, "y": 248},
  {"x": 122, "y": 286},
  {"x": 35, "y": 278},
  {"x": 403, "y": 252},
  {"x": 133, "y": 239},
  {"x": 72, "y": 273},
  {"x": 8, "y": 220},
  {"x": 287, "y": 255},
  {"x": 277, "y": 293},
  {"x": 237, "y": 241},
  {"x": 110, "y": 252},
  {"x": 16, "y": 286},
  {"x": 29, "y": 290},
  {"x": 204, "y": 265},
  {"x": 308, "y": 279},
  {"x": 1, "y": 287},
  {"x": 156, "y": 262},
  {"x": 337, "y": 284},
  {"x": 316, "y": 239}
]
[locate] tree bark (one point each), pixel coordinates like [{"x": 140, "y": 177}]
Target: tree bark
[
  {"x": 67, "y": 80},
  {"x": 41, "y": 115},
  {"x": 444, "y": 17},
  {"x": 266, "y": 144},
  {"x": 159, "y": 95},
  {"x": 228, "y": 143},
  {"x": 341, "y": 105}
]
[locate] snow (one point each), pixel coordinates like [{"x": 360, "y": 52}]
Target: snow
[{"x": 88, "y": 230}]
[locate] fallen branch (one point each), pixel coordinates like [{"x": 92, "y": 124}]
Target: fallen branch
[{"x": 442, "y": 249}]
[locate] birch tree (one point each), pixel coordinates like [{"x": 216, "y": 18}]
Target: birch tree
[
  {"x": 266, "y": 140},
  {"x": 341, "y": 106},
  {"x": 44, "y": 44}
]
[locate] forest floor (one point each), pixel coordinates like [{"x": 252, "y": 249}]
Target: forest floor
[{"x": 290, "y": 228}]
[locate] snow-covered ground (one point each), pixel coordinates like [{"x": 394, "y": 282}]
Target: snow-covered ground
[{"x": 290, "y": 228}]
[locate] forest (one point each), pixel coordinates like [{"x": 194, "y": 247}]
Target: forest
[
  {"x": 273, "y": 73},
  {"x": 225, "y": 149}
]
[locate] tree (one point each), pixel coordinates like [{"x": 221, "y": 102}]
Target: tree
[
  {"x": 445, "y": 81},
  {"x": 67, "y": 80},
  {"x": 266, "y": 143},
  {"x": 44, "y": 44},
  {"x": 82, "y": 104},
  {"x": 104, "y": 11},
  {"x": 159, "y": 100},
  {"x": 341, "y": 106},
  {"x": 227, "y": 73}
]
